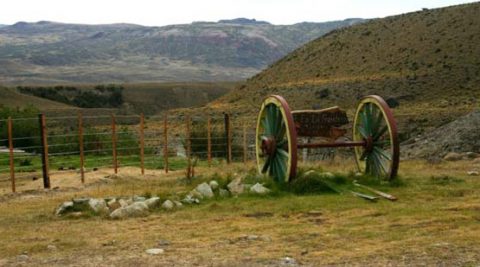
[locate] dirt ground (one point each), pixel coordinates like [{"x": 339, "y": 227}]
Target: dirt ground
[{"x": 436, "y": 221}]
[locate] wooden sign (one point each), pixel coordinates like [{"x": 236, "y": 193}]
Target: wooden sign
[{"x": 320, "y": 123}]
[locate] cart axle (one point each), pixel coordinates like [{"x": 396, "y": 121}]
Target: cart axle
[{"x": 335, "y": 144}]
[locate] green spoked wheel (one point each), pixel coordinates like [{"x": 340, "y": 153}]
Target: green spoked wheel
[
  {"x": 276, "y": 140},
  {"x": 375, "y": 125}
]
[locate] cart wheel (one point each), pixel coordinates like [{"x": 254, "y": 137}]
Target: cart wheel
[
  {"x": 374, "y": 124},
  {"x": 276, "y": 140}
]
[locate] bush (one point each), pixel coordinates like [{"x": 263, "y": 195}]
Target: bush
[{"x": 23, "y": 130}]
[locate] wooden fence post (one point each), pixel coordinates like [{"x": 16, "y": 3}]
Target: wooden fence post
[
  {"x": 10, "y": 149},
  {"x": 114, "y": 145},
  {"x": 165, "y": 142},
  {"x": 80, "y": 144},
  {"x": 227, "y": 138},
  {"x": 209, "y": 141},
  {"x": 244, "y": 143},
  {"x": 189, "y": 146},
  {"x": 43, "y": 134},
  {"x": 142, "y": 143}
]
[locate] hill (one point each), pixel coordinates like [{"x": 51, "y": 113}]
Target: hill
[
  {"x": 428, "y": 61},
  {"x": 149, "y": 98},
  {"x": 56, "y": 53}
]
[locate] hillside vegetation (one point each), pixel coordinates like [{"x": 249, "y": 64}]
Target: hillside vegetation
[
  {"x": 56, "y": 53},
  {"x": 429, "y": 61}
]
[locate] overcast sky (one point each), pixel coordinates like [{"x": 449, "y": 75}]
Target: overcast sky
[{"x": 158, "y": 12}]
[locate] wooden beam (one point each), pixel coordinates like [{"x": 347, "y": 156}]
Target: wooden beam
[
  {"x": 142, "y": 143},
  {"x": 114, "y": 145},
  {"x": 80, "y": 144},
  {"x": 44, "y": 142},
  {"x": 10, "y": 150}
]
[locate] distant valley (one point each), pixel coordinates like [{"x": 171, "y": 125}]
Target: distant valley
[{"x": 229, "y": 50}]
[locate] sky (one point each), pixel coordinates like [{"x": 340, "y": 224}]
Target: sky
[{"x": 161, "y": 12}]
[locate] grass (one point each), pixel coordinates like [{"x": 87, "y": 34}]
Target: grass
[{"x": 432, "y": 223}]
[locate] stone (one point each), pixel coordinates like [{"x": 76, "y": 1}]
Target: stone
[
  {"x": 152, "y": 202},
  {"x": 122, "y": 202},
  {"x": 288, "y": 261},
  {"x": 155, "y": 251},
  {"x": 98, "y": 205},
  {"x": 111, "y": 202},
  {"x": 195, "y": 194},
  {"x": 23, "y": 257},
  {"x": 64, "y": 208},
  {"x": 178, "y": 204},
  {"x": 168, "y": 205},
  {"x": 136, "y": 209},
  {"x": 259, "y": 189},
  {"x": 471, "y": 155},
  {"x": 213, "y": 184},
  {"x": 189, "y": 199},
  {"x": 205, "y": 190},
  {"x": 236, "y": 187},
  {"x": 80, "y": 201},
  {"x": 328, "y": 175},
  {"x": 163, "y": 242},
  {"x": 139, "y": 199},
  {"x": 473, "y": 173},
  {"x": 452, "y": 156},
  {"x": 52, "y": 247},
  {"x": 223, "y": 192}
]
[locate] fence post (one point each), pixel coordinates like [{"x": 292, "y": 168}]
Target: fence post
[
  {"x": 114, "y": 145},
  {"x": 142, "y": 143},
  {"x": 43, "y": 134},
  {"x": 209, "y": 141},
  {"x": 189, "y": 145},
  {"x": 227, "y": 138},
  {"x": 244, "y": 143},
  {"x": 165, "y": 141},
  {"x": 10, "y": 149},
  {"x": 80, "y": 144}
]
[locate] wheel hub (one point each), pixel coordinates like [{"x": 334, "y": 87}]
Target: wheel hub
[
  {"x": 268, "y": 146},
  {"x": 369, "y": 144}
]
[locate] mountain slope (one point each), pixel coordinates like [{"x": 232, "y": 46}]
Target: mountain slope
[
  {"x": 429, "y": 61},
  {"x": 48, "y": 52}
]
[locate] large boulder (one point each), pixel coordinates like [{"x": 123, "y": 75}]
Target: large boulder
[
  {"x": 98, "y": 205},
  {"x": 259, "y": 189},
  {"x": 205, "y": 190},
  {"x": 236, "y": 187},
  {"x": 152, "y": 202},
  {"x": 168, "y": 205},
  {"x": 136, "y": 209}
]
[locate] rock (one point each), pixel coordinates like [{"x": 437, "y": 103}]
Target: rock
[
  {"x": 64, "y": 208},
  {"x": 152, "y": 202},
  {"x": 473, "y": 173},
  {"x": 113, "y": 204},
  {"x": 139, "y": 199},
  {"x": 122, "y": 202},
  {"x": 168, "y": 205},
  {"x": 223, "y": 192},
  {"x": 163, "y": 242},
  {"x": 205, "y": 190},
  {"x": 452, "y": 156},
  {"x": 288, "y": 261},
  {"x": 52, "y": 247},
  {"x": 189, "y": 199},
  {"x": 259, "y": 189},
  {"x": 328, "y": 175},
  {"x": 129, "y": 201},
  {"x": 471, "y": 155},
  {"x": 23, "y": 257},
  {"x": 80, "y": 201},
  {"x": 236, "y": 187},
  {"x": 195, "y": 194},
  {"x": 136, "y": 209},
  {"x": 155, "y": 251},
  {"x": 213, "y": 184},
  {"x": 98, "y": 205},
  {"x": 178, "y": 204}
]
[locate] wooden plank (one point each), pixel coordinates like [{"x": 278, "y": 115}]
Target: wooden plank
[
  {"x": 209, "y": 141},
  {"x": 142, "y": 143},
  {"x": 114, "y": 145},
  {"x": 80, "y": 145},
  {"x": 10, "y": 150},
  {"x": 189, "y": 142},
  {"x": 380, "y": 193},
  {"x": 244, "y": 143},
  {"x": 320, "y": 123},
  {"x": 227, "y": 138},
  {"x": 364, "y": 196},
  {"x": 44, "y": 142},
  {"x": 165, "y": 142}
]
